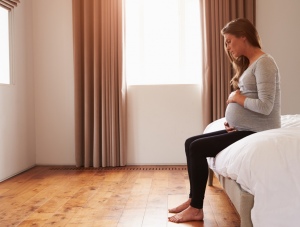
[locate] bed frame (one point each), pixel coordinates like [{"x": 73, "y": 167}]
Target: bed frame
[{"x": 242, "y": 200}]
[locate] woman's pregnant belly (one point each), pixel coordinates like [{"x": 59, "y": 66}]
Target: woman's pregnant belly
[{"x": 236, "y": 116}]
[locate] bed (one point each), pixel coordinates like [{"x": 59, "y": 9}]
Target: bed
[{"x": 261, "y": 174}]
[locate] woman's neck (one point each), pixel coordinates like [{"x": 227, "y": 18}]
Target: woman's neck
[{"x": 254, "y": 54}]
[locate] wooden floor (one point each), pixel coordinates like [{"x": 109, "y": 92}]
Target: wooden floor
[{"x": 129, "y": 196}]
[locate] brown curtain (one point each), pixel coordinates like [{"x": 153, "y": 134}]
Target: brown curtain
[
  {"x": 217, "y": 70},
  {"x": 9, "y": 4},
  {"x": 100, "y": 91}
]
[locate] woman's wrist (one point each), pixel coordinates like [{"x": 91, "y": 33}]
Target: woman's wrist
[{"x": 240, "y": 99}]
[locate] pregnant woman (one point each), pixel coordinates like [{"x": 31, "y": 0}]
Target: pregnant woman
[{"x": 254, "y": 106}]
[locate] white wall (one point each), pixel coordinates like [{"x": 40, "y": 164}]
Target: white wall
[
  {"x": 160, "y": 119},
  {"x": 17, "y": 126},
  {"x": 54, "y": 84},
  {"x": 278, "y": 25}
]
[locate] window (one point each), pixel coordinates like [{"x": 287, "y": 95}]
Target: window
[
  {"x": 4, "y": 47},
  {"x": 162, "y": 42}
]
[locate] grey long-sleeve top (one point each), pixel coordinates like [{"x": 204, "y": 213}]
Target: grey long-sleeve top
[{"x": 260, "y": 83}]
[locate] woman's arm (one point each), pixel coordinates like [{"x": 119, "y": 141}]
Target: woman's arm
[
  {"x": 266, "y": 74},
  {"x": 266, "y": 78}
]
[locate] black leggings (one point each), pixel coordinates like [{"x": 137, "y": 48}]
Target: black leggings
[{"x": 197, "y": 149}]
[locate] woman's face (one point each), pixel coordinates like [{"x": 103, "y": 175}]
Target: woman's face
[{"x": 234, "y": 45}]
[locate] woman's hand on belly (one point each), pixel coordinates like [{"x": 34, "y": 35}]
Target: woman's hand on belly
[
  {"x": 228, "y": 128},
  {"x": 236, "y": 97}
]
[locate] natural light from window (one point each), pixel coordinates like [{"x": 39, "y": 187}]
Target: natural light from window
[
  {"x": 4, "y": 47},
  {"x": 162, "y": 42}
]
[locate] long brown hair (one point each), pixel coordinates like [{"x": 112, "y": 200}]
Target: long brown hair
[{"x": 240, "y": 27}]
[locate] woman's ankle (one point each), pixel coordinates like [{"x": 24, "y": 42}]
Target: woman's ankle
[{"x": 181, "y": 207}]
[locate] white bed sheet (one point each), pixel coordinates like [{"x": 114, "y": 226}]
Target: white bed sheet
[{"x": 267, "y": 165}]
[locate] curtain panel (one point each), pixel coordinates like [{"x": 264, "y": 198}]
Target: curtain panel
[
  {"x": 217, "y": 71},
  {"x": 100, "y": 91},
  {"x": 9, "y": 4}
]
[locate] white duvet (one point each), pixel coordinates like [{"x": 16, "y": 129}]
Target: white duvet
[{"x": 267, "y": 165}]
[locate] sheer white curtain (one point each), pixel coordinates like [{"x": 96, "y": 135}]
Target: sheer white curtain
[{"x": 162, "y": 41}]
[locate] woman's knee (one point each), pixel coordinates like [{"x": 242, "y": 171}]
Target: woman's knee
[{"x": 187, "y": 144}]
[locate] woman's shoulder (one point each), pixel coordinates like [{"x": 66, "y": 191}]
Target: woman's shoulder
[{"x": 265, "y": 60}]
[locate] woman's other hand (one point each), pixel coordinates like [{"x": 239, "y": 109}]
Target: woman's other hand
[
  {"x": 232, "y": 96},
  {"x": 236, "y": 97},
  {"x": 228, "y": 128}
]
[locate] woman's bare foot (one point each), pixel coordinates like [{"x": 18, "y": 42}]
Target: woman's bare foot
[
  {"x": 181, "y": 207},
  {"x": 189, "y": 214}
]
